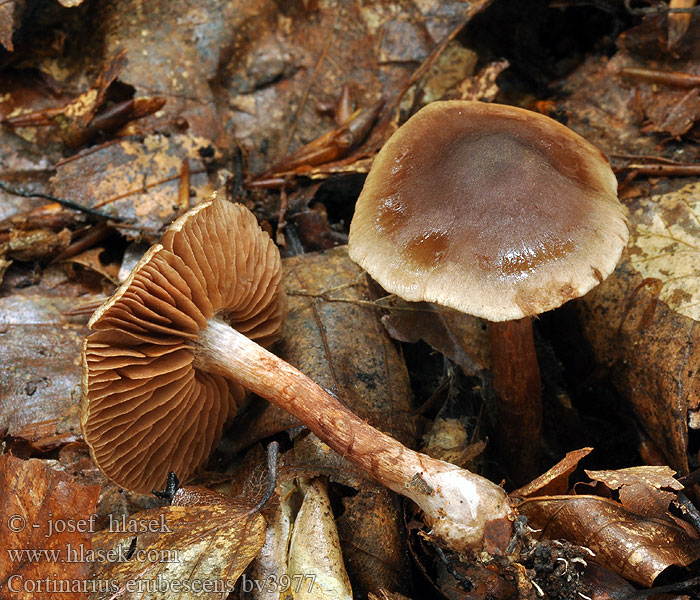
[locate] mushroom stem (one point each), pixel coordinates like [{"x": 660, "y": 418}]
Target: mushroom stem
[
  {"x": 516, "y": 378},
  {"x": 457, "y": 504}
]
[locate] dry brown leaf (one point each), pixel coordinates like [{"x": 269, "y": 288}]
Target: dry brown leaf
[
  {"x": 314, "y": 549},
  {"x": 47, "y": 523},
  {"x": 556, "y": 480},
  {"x": 74, "y": 119},
  {"x": 178, "y": 551},
  {"x": 656, "y": 477},
  {"x": 310, "y": 457},
  {"x": 372, "y": 560},
  {"x": 40, "y": 348},
  {"x": 455, "y": 65},
  {"x": 373, "y": 541},
  {"x": 613, "y": 126},
  {"x": 90, "y": 259},
  {"x": 673, "y": 114},
  {"x": 641, "y": 489},
  {"x": 135, "y": 180},
  {"x": 665, "y": 246},
  {"x": 636, "y": 547},
  {"x": 649, "y": 502},
  {"x": 482, "y": 86}
]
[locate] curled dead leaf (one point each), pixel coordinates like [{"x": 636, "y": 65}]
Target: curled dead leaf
[{"x": 636, "y": 547}]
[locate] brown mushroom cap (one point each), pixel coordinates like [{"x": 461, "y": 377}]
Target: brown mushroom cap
[
  {"x": 493, "y": 210},
  {"x": 147, "y": 409}
]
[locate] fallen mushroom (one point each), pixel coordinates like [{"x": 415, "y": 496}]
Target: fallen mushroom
[
  {"x": 157, "y": 368},
  {"x": 498, "y": 212}
]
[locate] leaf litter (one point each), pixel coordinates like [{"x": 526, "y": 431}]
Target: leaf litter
[{"x": 248, "y": 76}]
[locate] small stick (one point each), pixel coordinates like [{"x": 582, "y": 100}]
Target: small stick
[
  {"x": 662, "y": 170},
  {"x": 671, "y": 78}
]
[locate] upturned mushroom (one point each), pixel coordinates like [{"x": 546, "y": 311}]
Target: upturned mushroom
[
  {"x": 500, "y": 213},
  {"x": 173, "y": 349}
]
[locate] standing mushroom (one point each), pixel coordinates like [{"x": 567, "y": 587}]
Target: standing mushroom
[
  {"x": 500, "y": 213},
  {"x": 163, "y": 372}
]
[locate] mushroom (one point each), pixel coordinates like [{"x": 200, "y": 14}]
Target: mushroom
[
  {"x": 173, "y": 349},
  {"x": 500, "y": 213}
]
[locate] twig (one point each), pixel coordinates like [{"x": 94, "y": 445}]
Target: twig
[
  {"x": 669, "y": 78},
  {"x": 67, "y": 203},
  {"x": 376, "y": 304},
  {"x": 662, "y": 170},
  {"x": 646, "y": 158}
]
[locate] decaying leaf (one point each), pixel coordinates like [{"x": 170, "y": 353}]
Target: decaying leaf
[
  {"x": 482, "y": 86},
  {"x": 384, "y": 595},
  {"x": 73, "y": 118},
  {"x": 646, "y": 490},
  {"x": 455, "y": 65},
  {"x": 665, "y": 246},
  {"x": 555, "y": 480},
  {"x": 656, "y": 477},
  {"x": 193, "y": 550},
  {"x": 47, "y": 523},
  {"x": 137, "y": 181},
  {"x": 314, "y": 549},
  {"x": 40, "y": 349},
  {"x": 634, "y": 546},
  {"x": 27, "y": 91},
  {"x": 642, "y": 321},
  {"x": 173, "y": 50},
  {"x": 90, "y": 259},
  {"x": 374, "y": 560}
]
